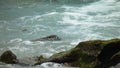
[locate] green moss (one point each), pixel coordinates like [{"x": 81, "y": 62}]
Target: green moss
[
  {"x": 58, "y": 54},
  {"x": 89, "y": 54},
  {"x": 105, "y": 42},
  {"x": 73, "y": 52},
  {"x": 92, "y": 47},
  {"x": 85, "y": 61},
  {"x": 90, "y": 50},
  {"x": 67, "y": 56}
]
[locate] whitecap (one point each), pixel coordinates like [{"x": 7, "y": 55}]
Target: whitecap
[
  {"x": 27, "y": 42},
  {"x": 70, "y": 21},
  {"x": 51, "y": 65},
  {"x": 19, "y": 48},
  {"x": 17, "y": 40}
]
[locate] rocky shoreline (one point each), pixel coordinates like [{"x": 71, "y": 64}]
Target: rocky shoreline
[{"x": 87, "y": 54}]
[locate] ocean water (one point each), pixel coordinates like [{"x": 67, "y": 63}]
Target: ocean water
[{"x": 72, "y": 20}]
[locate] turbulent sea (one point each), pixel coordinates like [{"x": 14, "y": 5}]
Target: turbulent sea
[{"x": 72, "y": 20}]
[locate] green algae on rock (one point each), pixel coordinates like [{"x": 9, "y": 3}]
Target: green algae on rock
[{"x": 89, "y": 54}]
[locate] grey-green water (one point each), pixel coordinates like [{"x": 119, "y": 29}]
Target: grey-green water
[{"x": 72, "y": 20}]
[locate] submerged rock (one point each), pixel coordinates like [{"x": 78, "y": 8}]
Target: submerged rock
[
  {"x": 8, "y": 57},
  {"x": 89, "y": 54},
  {"x": 24, "y": 30},
  {"x": 49, "y": 38}
]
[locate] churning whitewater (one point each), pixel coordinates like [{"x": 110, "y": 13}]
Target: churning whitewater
[{"x": 72, "y": 20}]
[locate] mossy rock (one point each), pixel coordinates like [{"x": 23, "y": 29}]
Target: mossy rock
[
  {"x": 114, "y": 60},
  {"x": 67, "y": 56},
  {"x": 92, "y": 47},
  {"x": 89, "y": 54},
  {"x": 8, "y": 57},
  {"x": 85, "y": 61},
  {"x": 110, "y": 48}
]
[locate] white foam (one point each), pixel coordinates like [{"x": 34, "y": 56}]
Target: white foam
[
  {"x": 69, "y": 21},
  {"x": 19, "y": 48},
  {"x": 67, "y": 8},
  {"x": 51, "y": 65},
  {"x": 75, "y": 42},
  {"x": 28, "y": 42},
  {"x": 78, "y": 12},
  {"x": 15, "y": 40},
  {"x": 47, "y": 55}
]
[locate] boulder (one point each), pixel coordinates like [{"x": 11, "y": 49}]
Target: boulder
[
  {"x": 89, "y": 54},
  {"x": 49, "y": 38},
  {"x": 8, "y": 57}
]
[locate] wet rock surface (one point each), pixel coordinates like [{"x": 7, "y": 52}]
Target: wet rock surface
[
  {"x": 48, "y": 38},
  {"x": 8, "y": 57},
  {"x": 89, "y": 54}
]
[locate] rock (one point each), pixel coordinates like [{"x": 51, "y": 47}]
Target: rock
[
  {"x": 110, "y": 48},
  {"x": 89, "y": 54},
  {"x": 67, "y": 56},
  {"x": 8, "y": 57},
  {"x": 24, "y": 30},
  {"x": 113, "y": 61},
  {"x": 92, "y": 47},
  {"x": 49, "y": 38},
  {"x": 41, "y": 60}
]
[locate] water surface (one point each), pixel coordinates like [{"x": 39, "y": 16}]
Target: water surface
[{"x": 72, "y": 20}]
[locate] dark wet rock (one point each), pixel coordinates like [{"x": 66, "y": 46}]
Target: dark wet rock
[
  {"x": 116, "y": 66},
  {"x": 8, "y": 57},
  {"x": 24, "y": 30},
  {"x": 40, "y": 60},
  {"x": 49, "y": 38},
  {"x": 110, "y": 48},
  {"x": 113, "y": 61},
  {"x": 92, "y": 47},
  {"x": 89, "y": 54}
]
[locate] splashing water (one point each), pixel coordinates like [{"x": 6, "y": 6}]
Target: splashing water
[{"x": 72, "y": 20}]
